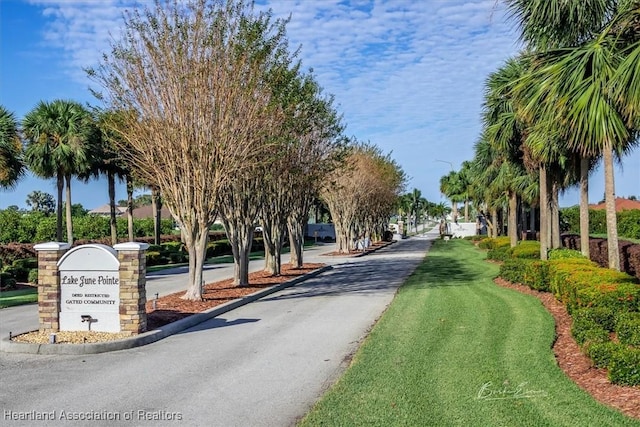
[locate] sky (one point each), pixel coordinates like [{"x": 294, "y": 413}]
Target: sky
[{"x": 407, "y": 76}]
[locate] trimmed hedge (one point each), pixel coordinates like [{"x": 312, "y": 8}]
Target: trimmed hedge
[
  {"x": 624, "y": 366},
  {"x": 627, "y": 326},
  {"x": 599, "y": 300}
]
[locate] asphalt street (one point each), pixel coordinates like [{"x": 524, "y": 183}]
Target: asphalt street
[{"x": 263, "y": 364}]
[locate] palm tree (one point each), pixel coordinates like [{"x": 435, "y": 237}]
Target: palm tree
[
  {"x": 506, "y": 132},
  {"x": 587, "y": 81},
  {"x": 59, "y": 145},
  {"x": 107, "y": 160},
  {"x": 11, "y": 163}
]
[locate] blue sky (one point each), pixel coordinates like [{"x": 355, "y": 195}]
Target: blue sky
[{"x": 407, "y": 75}]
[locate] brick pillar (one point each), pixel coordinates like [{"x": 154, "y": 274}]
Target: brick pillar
[
  {"x": 49, "y": 284},
  {"x": 133, "y": 293}
]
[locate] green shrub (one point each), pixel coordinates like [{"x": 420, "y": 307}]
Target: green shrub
[
  {"x": 33, "y": 276},
  {"x": 500, "y": 253},
  {"x": 629, "y": 223},
  {"x": 21, "y": 274},
  {"x": 493, "y": 243},
  {"x": 7, "y": 281},
  {"x": 627, "y": 326},
  {"x": 585, "y": 330},
  {"x": 616, "y": 296},
  {"x": 565, "y": 253},
  {"x": 155, "y": 258},
  {"x": 512, "y": 270},
  {"x": 173, "y": 246},
  {"x": 218, "y": 248},
  {"x": 603, "y": 316},
  {"x": 536, "y": 275},
  {"x": 567, "y": 276},
  {"x": 527, "y": 249},
  {"x": 624, "y": 367},
  {"x": 27, "y": 263},
  {"x": 177, "y": 257},
  {"x": 601, "y": 353}
]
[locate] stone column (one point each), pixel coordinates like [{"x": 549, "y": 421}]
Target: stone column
[
  {"x": 49, "y": 284},
  {"x": 133, "y": 293}
]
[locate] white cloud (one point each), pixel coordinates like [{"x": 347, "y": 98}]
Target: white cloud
[{"x": 407, "y": 75}]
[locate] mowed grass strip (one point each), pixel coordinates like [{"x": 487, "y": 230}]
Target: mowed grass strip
[
  {"x": 18, "y": 297},
  {"x": 454, "y": 349}
]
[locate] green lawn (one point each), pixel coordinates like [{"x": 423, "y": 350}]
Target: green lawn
[
  {"x": 19, "y": 297},
  {"x": 454, "y": 349}
]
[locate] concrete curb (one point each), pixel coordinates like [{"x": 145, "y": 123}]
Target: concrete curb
[{"x": 149, "y": 337}]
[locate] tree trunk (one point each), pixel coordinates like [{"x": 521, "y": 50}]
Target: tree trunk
[
  {"x": 60, "y": 186},
  {"x": 296, "y": 242},
  {"x": 466, "y": 210},
  {"x": 240, "y": 237},
  {"x": 544, "y": 214},
  {"x": 494, "y": 219},
  {"x": 532, "y": 219},
  {"x": 156, "y": 201},
  {"x": 130, "y": 208},
  {"x": 196, "y": 236},
  {"x": 555, "y": 217},
  {"x": 111, "y": 182},
  {"x": 584, "y": 207},
  {"x": 513, "y": 218},
  {"x": 610, "y": 204},
  {"x": 69, "y": 219},
  {"x": 272, "y": 233}
]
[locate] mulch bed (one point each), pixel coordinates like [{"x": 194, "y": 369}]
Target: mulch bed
[
  {"x": 172, "y": 307},
  {"x": 575, "y": 363}
]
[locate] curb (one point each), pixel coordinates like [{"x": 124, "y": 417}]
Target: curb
[
  {"x": 149, "y": 337},
  {"x": 370, "y": 251}
]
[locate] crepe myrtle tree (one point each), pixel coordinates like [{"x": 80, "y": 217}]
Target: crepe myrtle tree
[
  {"x": 365, "y": 179},
  {"x": 192, "y": 76}
]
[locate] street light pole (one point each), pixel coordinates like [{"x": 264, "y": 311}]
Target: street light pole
[{"x": 444, "y": 161}]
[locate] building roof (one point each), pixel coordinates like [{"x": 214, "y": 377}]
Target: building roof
[
  {"x": 622, "y": 204},
  {"x": 148, "y": 212},
  {"x": 106, "y": 210}
]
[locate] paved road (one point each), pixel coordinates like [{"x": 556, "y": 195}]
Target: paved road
[
  {"x": 24, "y": 318},
  {"x": 263, "y": 364}
]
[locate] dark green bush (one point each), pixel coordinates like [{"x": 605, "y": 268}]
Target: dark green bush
[
  {"x": 27, "y": 263},
  {"x": 601, "y": 353},
  {"x": 500, "y": 253},
  {"x": 7, "y": 281},
  {"x": 603, "y": 316},
  {"x": 565, "y": 253},
  {"x": 629, "y": 223},
  {"x": 513, "y": 270},
  {"x": 627, "y": 326},
  {"x": 624, "y": 367},
  {"x": 586, "y": 330},
  {"x": 536, "y": 275},
  {"x": 155, "y": 258},
  {"x": 177, "y": 257},
  {"x": 173, "y": 246},
  {"x": 21, "y": 274},
  {"x": 33, "y": 276}
]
